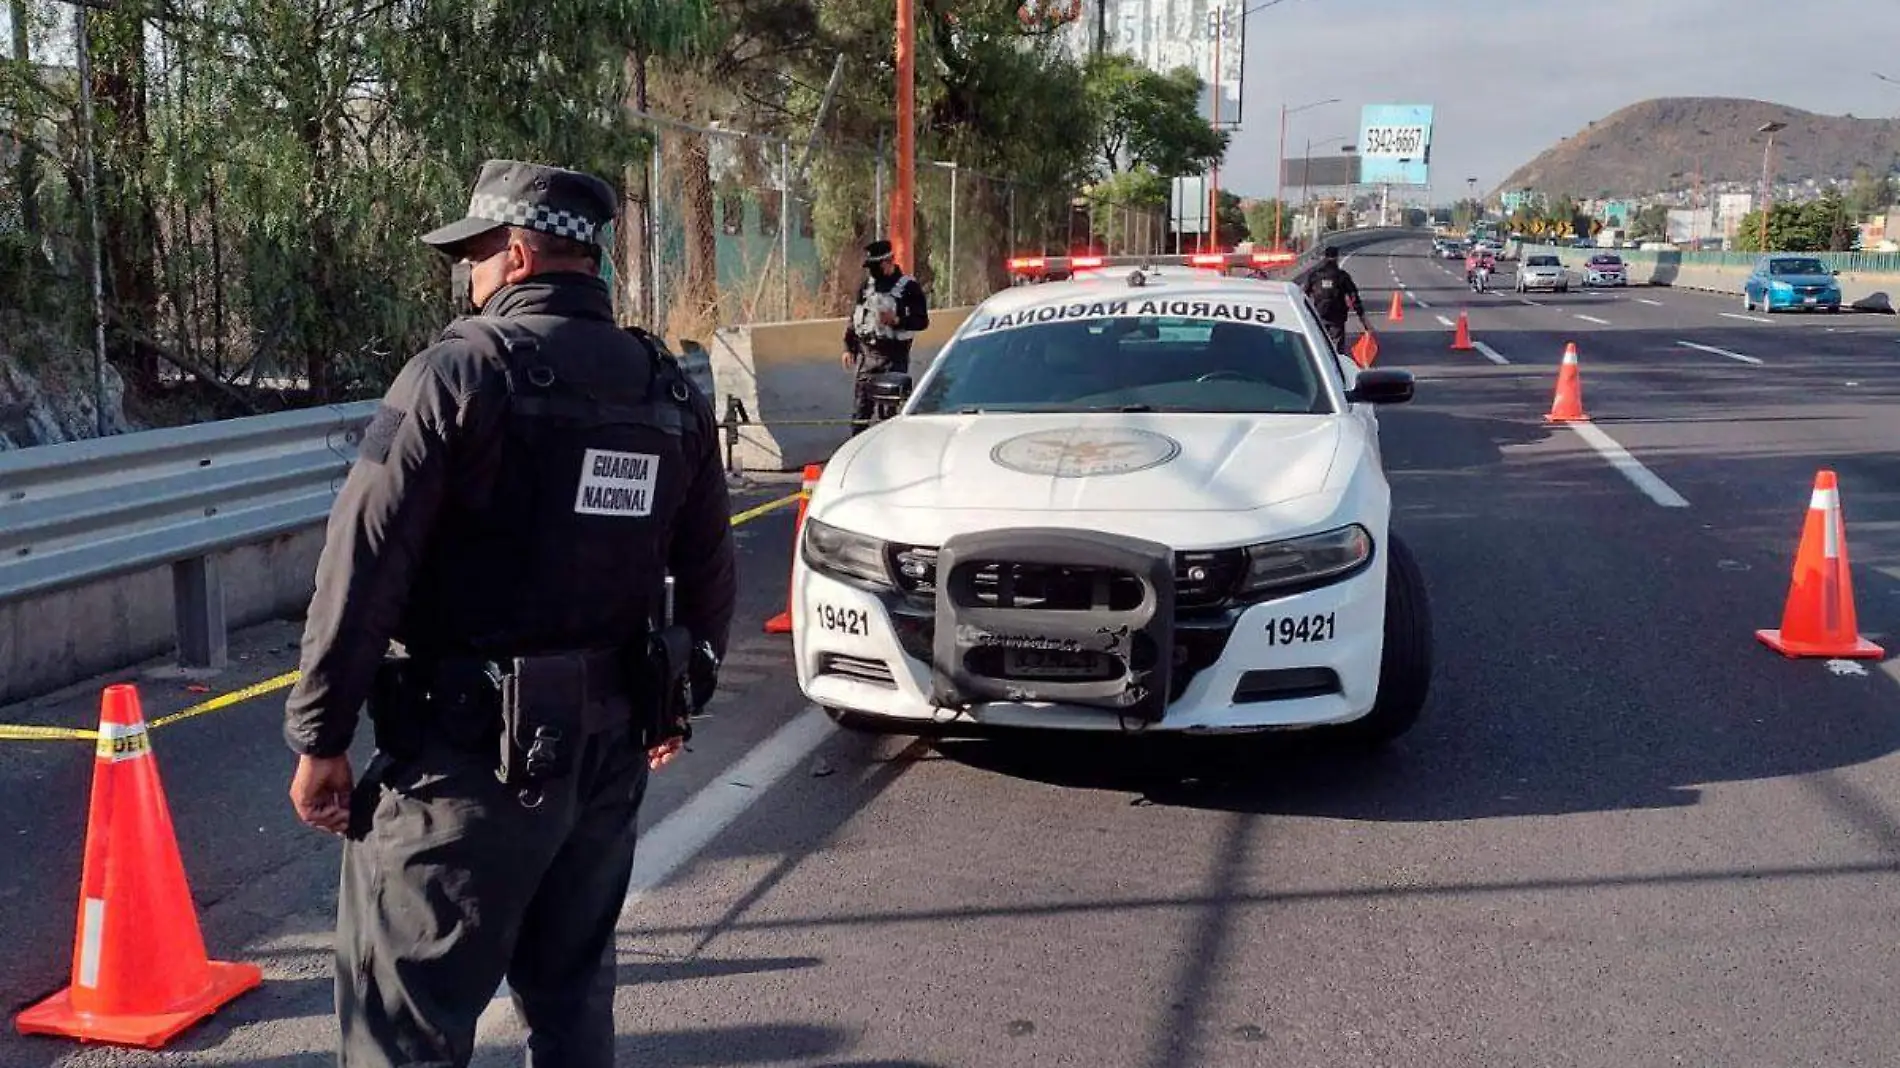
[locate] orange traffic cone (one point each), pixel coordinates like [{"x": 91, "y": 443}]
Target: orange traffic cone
[
  {"x": 1567, "y": 405},
  {"x": 1462, "y": 342},
  {"x": 1818, "y": 619},
  {"x": 140, "y": 975},
  {"x": 1365, "y": 350},
  {"x": 782, "y": 623},
  {"x": 1397, "y": 312}
]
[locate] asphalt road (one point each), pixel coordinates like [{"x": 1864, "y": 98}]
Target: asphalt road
[{"x": 1624, "y": 833}]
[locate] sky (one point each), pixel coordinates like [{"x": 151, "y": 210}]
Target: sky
[{"x": 1508, "y": 78}]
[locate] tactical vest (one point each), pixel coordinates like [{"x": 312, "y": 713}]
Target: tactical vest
[
  {"x": 871, "y": 301},
  {"x": 564, "y": 546}
]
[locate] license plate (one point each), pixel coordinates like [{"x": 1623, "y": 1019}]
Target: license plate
[
  {"x": 1048, "y": 664},
  {"x": 1810, "y": 300}
]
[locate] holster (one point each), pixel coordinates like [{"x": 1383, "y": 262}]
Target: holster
[{"x": 663, "y": 699}]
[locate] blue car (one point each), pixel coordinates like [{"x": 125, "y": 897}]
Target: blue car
[{"x": 1786, "y": 280}]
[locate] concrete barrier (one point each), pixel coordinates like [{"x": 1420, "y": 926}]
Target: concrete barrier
[
  {"x": 786, "y": 374},
  {"x": 52, "y": 641},
  {"x": 1864, "y": 290}
]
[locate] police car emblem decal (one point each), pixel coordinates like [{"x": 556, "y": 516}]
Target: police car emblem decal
[
  {"x": 1081, "y": 453},
  {"x": 616, "y": 483}
]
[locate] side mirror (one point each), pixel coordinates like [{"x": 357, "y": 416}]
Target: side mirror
[
  {"x": 891, "y": 387},
  {"x": 1381, "y": 385},
  {"x": 1836, "y": 274}
]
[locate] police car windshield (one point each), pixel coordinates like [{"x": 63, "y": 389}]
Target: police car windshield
[{"x": 1218, "y": 358}]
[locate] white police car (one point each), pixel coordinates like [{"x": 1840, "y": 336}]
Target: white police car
[{"x": 1139, "y": 500}]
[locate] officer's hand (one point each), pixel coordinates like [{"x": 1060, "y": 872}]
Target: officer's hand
[
  {"x": 320, "y": 792},
  {"x": 661, "y": 755},
  {"x": 845, "y": 360}
]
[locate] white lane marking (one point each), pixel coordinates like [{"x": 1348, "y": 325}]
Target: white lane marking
[
  {"x": 670, "y": 843},
  {"x": 1651, "y": 303},
  {"x": 1719, "y": 352},
  {"x": 1593, "y": 319},
  {"x": 1749, "y": 318},
  {"x": 1446, "y": 321},
  {"x": 1419, "y": 301},
  {"x": 1529, "y": 303},
  {"x": 1490, "y": 353},
  {"x": 1642, "y": 477},
  {"x": 689, "y": 828}
]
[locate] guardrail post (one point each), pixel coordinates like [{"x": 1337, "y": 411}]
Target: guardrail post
[{"x": 198, "y": 602}]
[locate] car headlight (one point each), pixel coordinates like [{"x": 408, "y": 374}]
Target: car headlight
[
  {"x": 1305, "y": 560},
  {"x": 843, "y": 554},
  {"x": 1781, "y": 287}
]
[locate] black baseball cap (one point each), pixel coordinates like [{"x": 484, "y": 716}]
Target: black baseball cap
[{"x": 553, "y": 200}]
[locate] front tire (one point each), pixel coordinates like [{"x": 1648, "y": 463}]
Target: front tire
[{"x": 1405, "y": 664}]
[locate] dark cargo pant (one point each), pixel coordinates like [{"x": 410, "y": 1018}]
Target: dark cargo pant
[
  {"x": 1336, "y": 332},
  {"x": 863, "y": 405},
  {"x": 449, "y": 884}
]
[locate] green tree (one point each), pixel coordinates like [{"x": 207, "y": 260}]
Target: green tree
[
  {"x": 1144, "y": 119},
  {"x": 1263, "y": 216},
  {"x": 1651, "y": 222}
]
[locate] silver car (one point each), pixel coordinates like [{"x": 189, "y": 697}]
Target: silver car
[{"x": 1542, "y": 272}]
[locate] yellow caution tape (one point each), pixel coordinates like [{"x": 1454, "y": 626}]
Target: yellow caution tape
[
  {"x": 10, "y": 733},
  {"x": 750, "y": 514},
  {"x": 228, "y": 699},
  {"x": 21, "y": 733}
]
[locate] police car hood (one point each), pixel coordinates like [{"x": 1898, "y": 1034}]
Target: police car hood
[{"x": 1063, "y": 462}]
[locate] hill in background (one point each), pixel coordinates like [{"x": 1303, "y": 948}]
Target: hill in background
[{"x": 1636, "y": 150}]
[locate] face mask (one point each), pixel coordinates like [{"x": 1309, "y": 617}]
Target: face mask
[{"x": 462, "y": 287}]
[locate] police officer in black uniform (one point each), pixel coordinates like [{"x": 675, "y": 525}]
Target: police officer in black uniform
[
  {"x": 519, "y": 497},
  {"x": 1334, "y": 294},
  {"x": 889, "y": 312}
]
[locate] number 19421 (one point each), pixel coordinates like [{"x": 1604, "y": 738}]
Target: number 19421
[{"x": 1299, "y": 630}]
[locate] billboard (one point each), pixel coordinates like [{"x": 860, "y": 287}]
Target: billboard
[
  {"x": 1310, "y": 171},
  {"x": 1164, "y": 34},
  {"x": 1395, "y": 144}
]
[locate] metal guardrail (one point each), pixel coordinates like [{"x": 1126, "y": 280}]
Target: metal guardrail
[{"x": 79, "y": 513}]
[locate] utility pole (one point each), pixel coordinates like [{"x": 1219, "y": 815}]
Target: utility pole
[
  {"x": 1213, "y": 189},
  {"x": 904, "y": 196}
]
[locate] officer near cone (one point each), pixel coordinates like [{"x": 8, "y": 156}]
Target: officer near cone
[
  {"x": 520, "y": 495},
  {"x": 889, "y": 312},
  {"x": 1334, "y": 294}
]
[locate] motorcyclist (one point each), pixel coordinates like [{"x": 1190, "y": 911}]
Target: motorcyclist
[{"x": 1480, "y": 259}]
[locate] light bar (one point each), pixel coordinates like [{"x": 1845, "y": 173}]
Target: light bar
[{"x": 1041, "y": 265}]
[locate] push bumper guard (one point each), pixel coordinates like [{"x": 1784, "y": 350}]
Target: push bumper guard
[{"x": 1049, "y": 614}]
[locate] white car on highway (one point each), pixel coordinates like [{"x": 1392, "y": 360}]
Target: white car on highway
[{"x": 1146, "y": 500}]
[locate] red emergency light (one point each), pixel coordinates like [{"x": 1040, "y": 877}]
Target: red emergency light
[
  {"x": 1085, "y": 261},
  {"x": 1267, "y": 259},
  {"x": 1208, "y": 259}
]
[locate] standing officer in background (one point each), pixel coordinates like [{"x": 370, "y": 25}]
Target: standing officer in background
[
  {"x": 518, "y": 498},
  {"x": 1334, "y": 293},
  {"x": 890, "y": 311}
]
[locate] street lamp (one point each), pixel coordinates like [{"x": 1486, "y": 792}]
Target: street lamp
[
  {"x": 1279, "y": 195},
  {"x": 1767, "y": 184},
  {"x": 1220, "y": 31}
]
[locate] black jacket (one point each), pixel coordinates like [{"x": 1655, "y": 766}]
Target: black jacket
[
  {"x": 879, "y": 348},
  {"x": 442, "y": 539},
  {"x": 1333, "y": 292}
]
